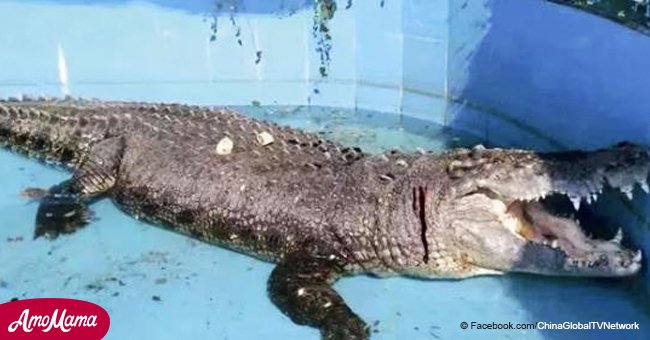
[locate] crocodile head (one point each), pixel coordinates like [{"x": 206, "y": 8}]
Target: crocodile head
[{"x": 501, "y": 217}]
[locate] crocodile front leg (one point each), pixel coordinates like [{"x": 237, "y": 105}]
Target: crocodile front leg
[
  {"x": 300, "y": 286},
  {"x": 64, "y": 208}
]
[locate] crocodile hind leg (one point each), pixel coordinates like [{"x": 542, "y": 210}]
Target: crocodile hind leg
[
  {"x": 301, "y": 287},
  {"x": 64, "y": 208}
]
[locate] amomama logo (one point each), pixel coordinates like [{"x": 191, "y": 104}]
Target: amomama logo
[{"x": 52, "y": 318}]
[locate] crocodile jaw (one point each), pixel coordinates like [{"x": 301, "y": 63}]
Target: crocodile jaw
[
  {"x": 511, "y": 230},
  {"x": 558, "y": 246}
]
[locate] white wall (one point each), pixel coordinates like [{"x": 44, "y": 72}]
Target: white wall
[{"x": 160, "y": 50}]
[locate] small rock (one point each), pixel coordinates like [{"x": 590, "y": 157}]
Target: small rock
[
  {"x": 33, "y": 193},
  {"x": 15, "y": 239},
  {"x": 224, "y": 147},
  {"x": 155, "y": 298},
  {"x": 94, "y": 287},
  {"x": 402, "y": 162},
  {"x": 264, "y": 138}
]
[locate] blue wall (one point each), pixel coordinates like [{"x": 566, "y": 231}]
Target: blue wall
[{"x": 574, "y": 78}]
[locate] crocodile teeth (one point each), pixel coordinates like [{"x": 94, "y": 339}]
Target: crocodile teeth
[
  {"x": 555, "y": 244},
  {"x": 627, "y": 190},
  {"x": 637, "y": 256},
  {"x": 594, "y": 197},
  {"x": 576, "y": 202},
  {"x": 618, "y": 237},
  {"x": 644, "y": 187}
]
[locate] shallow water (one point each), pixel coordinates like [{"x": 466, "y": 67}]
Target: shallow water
[
  {"x": 371, "y": 130},
  {"x": 160, "y": 285}
]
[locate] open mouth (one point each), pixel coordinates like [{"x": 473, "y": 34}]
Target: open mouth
[
  {"x": 534, "y": 196},
  {"x": 539, "y": 222}
]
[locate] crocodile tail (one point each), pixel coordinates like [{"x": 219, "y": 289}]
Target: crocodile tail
[{"x": 47, "y": 130}]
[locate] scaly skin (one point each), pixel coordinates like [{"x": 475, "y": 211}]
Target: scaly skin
[{"x": 317, "y": 209}]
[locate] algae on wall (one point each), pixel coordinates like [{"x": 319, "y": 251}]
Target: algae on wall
[
  {"x": 634, "y": 14},
  {"x": 324, "y": 11}
]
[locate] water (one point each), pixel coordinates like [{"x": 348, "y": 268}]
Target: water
[
  {"x": 373, "y": 131},
  {"x": 160, "y": 285}
]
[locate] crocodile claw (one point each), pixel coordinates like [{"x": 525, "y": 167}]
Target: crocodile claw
[{"x": 349, "y": 329}]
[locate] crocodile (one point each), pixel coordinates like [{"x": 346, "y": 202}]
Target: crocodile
[{"x": 319, "y": 210}]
